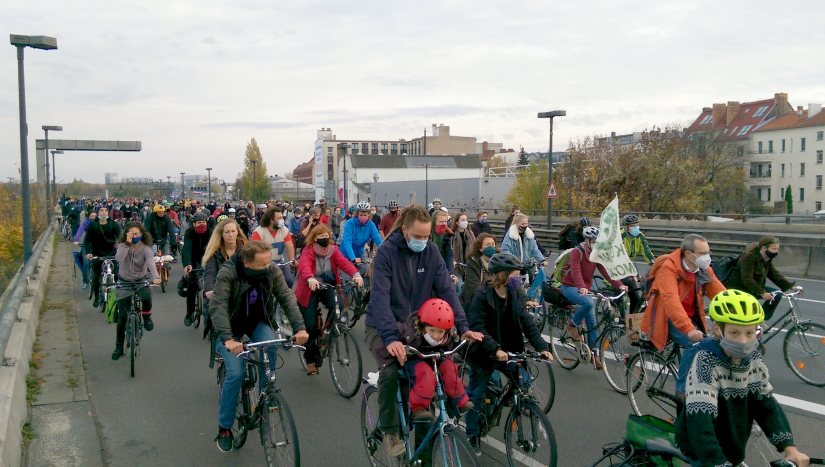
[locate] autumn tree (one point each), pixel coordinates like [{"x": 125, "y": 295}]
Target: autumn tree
[{"x": 253, "y": 181}]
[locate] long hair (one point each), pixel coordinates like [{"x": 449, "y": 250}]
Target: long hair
[
  {"x": 216, "y": 240},
  {"x": 409, "y": 216},
  {"x": 145, "y": 237},
  {"x": 480, "y": 241}
]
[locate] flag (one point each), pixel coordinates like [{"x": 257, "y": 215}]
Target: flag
[{"x": 609, "y": 248}]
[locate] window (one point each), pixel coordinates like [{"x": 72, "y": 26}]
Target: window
[
  {"x": 403, "y": 148},
  {"x": 383, "y": 148},
  {"x": 819, "y": 156},
  {"x": 394, "y": 148},
  {"x": 783, "y": 145},
  {"x": 801, "y": 194},
  {"x": 781, "y": 193},
  {"x": 375, "y": 148},
  {"x": 818, "y": 205},
  {"x": 802, "y": 144},
  {"x": 770, "y": 146},
  {"x": 708, "y": 118},
  {"x": 802, "y": 169},
  {"x": 329, "y": 150},
  {"x": 353, "y": 148},
  {"x": 819, "y": 182},
  {"x": 819, "y": 135},
  {"x": 760, "y": 112},
  {"x": 744, "y": 130},
  {"x": 781, "y": 170},
  {"x": 759, "y": 145}
]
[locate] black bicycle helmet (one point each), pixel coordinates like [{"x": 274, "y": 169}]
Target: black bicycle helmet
[
  {"x": 505, "y": 262},
  {"x": 183, "y": 287},
  {"x": 630, "y": 219},
  {"x": 585, "y": 221}
]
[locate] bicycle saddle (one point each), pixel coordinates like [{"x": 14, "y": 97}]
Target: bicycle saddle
[{"x": 662, "y": 447}]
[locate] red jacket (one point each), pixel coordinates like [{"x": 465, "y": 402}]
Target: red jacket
[
  {"x": 580, "y": 270},
  {"x": 306, "y": 269}
]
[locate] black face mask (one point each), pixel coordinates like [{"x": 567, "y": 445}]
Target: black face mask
[
  {"x": 322, "y": 242},
  {"x": 255, "y": 274},
  {"x": 242, "y": 220},
  {"x": 771, "y": 254},
  {"x": 521, "y": 230}
]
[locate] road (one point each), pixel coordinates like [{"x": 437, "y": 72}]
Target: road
[{"x": 167, "y": 414}]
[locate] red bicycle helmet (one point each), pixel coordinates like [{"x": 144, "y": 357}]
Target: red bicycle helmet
[{"x": 437, "y": 313}]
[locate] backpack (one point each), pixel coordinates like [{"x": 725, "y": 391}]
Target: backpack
[
  {"x": 560, "y": 266},
  {"x": 723, "y": 266},
  {"x": 564, "y": 242}
]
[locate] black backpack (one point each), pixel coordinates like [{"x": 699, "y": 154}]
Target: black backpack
[
  {"x": 564, "y": 242},
  {"x": 723, "y": 266}
]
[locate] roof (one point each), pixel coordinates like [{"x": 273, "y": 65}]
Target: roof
[
  {"x": 750, "y": 116},
  {"x": 794, "y": 119},
  {"x": 377, "y": 161}
]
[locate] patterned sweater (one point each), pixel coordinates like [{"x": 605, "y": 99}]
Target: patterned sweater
[{"x": 722, "y": 402}]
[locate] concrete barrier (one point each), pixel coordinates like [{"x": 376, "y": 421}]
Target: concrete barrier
[{"x": 15, "y": 364}]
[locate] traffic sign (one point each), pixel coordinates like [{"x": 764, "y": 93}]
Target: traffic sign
[{"x": 552, "y": 193}]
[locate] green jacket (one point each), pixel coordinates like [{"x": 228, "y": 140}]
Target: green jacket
[
  {"x": 637, "y": 246},
  {"x": 750, "y": 273}
]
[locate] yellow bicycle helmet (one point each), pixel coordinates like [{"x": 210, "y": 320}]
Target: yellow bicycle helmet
[
  {"x": 736, "y": 307},
  {"x": 158, "y": 208}
]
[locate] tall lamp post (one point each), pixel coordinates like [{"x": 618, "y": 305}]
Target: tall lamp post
[
  {"x": 21, "y": 42},
  {"x": 342, "y": 152},
  {"x": 550, "y": 115},
  {"x": 182, "y": 187},
  {"x": 254, "y": 179},
  {"x": 46, "y": 129},
  {"x": 209, "y": 183},
  {"x": 54, "y": 174}
]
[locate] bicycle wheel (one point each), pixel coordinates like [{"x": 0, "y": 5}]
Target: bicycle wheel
[
  {"x": 345, "y": 365},
  {"x": 543, "y": 384},
  {"x": 615, "y": 350},
  {"x": 132, "y": 331},
  {"x": 565, "y": 349},
  {"x": 452, "y": 449},
  {"x": 804, "y": 349},
  {"x": 196, "y": 318},
  {"x": 371, "y": 434},
  {"x": 529, "y": 437},
  {"x": 278, "y": 433},
  {"x": 651, "y": 385},
  {"x": 539, "y": 316}
]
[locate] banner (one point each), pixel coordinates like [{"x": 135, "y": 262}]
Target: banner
[
  {"x": 609, "y": 249},
  {"x": 341, "y": 198}
]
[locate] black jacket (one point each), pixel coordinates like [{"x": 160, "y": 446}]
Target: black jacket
[
  {"x": 160, "y": 228},
  {"x": 479, "y": 228},
  {"x": 101, "y": 239},
  {"x": 194, "y": 246}
]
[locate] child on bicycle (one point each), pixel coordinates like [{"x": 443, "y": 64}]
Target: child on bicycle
[
  {"x": 727, "y": 389},
  {"x": 432, "y": 332},
  {"x": 499, "y": 312}
]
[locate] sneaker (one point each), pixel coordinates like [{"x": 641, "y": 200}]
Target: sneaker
[
  {"x": 117, "y": 353},
  {"x": 187, "y": 320},
  {"x": 475, "y": 442},
  {"x": 393, "y": 445},
  {"x": 312, "y": 369},
  {"x": 422, "y": 415},
  {"x": 148, "y": 324},
  {"x": 466, "y": 407},
  {"x": 574, "y": 332},
  {"x": 224, "y": 440}
]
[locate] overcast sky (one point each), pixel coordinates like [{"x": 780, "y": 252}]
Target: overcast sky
[{"x": 194, "y": 80}]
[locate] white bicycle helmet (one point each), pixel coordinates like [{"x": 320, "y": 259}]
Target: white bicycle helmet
[
  {"x": 590, "y": 232},
  {"x": 363, "y": 206}
]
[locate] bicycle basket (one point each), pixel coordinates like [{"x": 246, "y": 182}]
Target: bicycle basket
[{"x": 646, "y": 427}]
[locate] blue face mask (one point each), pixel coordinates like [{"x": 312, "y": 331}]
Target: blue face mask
[
  {"x": 135, "y": 240},
  {"x": 417, "y": 245},
  {"x": 635, "y": 231},
  {"x": 489, "y": 251}
]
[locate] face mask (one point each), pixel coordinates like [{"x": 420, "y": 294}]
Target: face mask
[
  {"x": 135, "y": 240},
  {"x": 417, "y": 245},
  {"x": 521, "y": 229},
  {"x": 242, "y": 219},
  {"x": 489, "y": 251},
  {"x": 771, "y": 254},
  {"x": 462, "y": 224},
  {"x": 432, "y": 341},
  {"x": 635, "y": 231},
  {"x": 440, "y": 229},
  {"x": 322, "y": 242},
  {"x": 514, "y": 283},
  {"x": 482, "y": 220},
  {"x": 200, "y": 229},
  {"x": 255, "y": 273},
  {"x": 372, "y": 213},
  {"x": 280, "y": 223},
  {"x": 103, "y": 218},
  {"x": 736, "y": 349},
  {"x": 702, "y": 262}
]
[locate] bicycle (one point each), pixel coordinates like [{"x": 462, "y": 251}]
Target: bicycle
[
  {"x": 337, "y": 343},
  {"x": 163, "y": 268},
  {"x": 655, "y": 452},
  {"x": 528, "y": 435},
  {"x": 804, "y": 343},
  {"x": 651, "y": 380},
  {"x": 264, "y": 408},
  {"x": 443, "y": 443},
  {"x": 107, "y": 280},
  {"x": 613, "y": 342},
  {"x": 134, "y": 321},
  {"x": 199, "y": 298},
  {"x": 65, "y": 230}
]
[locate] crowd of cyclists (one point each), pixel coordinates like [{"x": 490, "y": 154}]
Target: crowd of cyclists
[{"x": 434, "y": 278}]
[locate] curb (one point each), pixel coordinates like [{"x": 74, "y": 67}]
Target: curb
[{"x": 15, "y": 364}]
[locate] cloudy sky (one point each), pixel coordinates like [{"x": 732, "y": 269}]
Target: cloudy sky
[{"x": 195, "y": 80}]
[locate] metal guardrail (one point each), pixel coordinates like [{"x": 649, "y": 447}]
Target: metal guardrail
[{"x": 17, "y": 289}]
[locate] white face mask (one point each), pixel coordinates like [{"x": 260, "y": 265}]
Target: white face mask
[
  {"x": 702, "y": 262},
  {"x": 281, "y": 223},
  {"x": 432, "y": 341},
  {"x": 462, "y": 224}
]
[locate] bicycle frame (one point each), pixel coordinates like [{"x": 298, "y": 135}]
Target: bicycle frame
[
  {"x": 254, "y": 354},
  {"x": 789, "y": 317}
]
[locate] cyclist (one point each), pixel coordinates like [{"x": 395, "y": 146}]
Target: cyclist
[
  {"x": 754, "y": 268},
  {"x": 499, "y": 312},
  {"x": 195, "y": 240},
  {"x": 246, "y": 291},
  {"x": 571, "y": 234},
  {"x": 136, "y": 264},
  {"x": 160, "y": 227},
  {"x": 84, "y": 265},
  {"x": 520, "y": 241},
  {"x": 244, "y": 223},
  {"x": 575, "y": 285},
  {"x": 728, "y": 388},
  {"x": 462, "y": 243},
  {"x": 357, "y": 232},
  {"x": 101, "y": 237},
  {"x": 407, "y": 271},
  {"x": 481, "y": 225},
  {"x": 273, "y": 232},
  {"x": 478, "y": 267},
  {"x": 227, "y": 239},
  {"x": 321, "y": 262},
  {"x": 635, "y": 244},
  {"x": 435, "y": 205},
  {"x": 389, "y": 219},
  {"x": 441, "y": 238},
  {"x": 679, "y": 283}
]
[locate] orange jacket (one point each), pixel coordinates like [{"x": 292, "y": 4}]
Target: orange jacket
[{"x": 670, "y": 283}]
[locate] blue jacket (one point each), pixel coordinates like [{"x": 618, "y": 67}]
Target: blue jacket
[
  {"x": 402, "y": 280},
  {"x": 356, "y": 237},
  {"x": 295, "y": 225},
  {"x": 513, "y": 243}
]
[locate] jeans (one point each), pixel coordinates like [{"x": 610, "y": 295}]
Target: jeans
[
  {"x": 477, "y": 389},
  {"x": 681, "y": 339},
  {"x": 233, "y": 378},
  {"x": 84, "y": 269},
  {"x": 387, "y": 383},
  {"x": 586, "y": 312},
  {"x": 310, "y": 315}
]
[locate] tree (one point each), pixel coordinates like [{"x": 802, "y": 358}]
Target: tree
[
  {"x": 788, "y": 200},
  {"x": 522, "y": 157},
  {"x": 254, "y": 174}
]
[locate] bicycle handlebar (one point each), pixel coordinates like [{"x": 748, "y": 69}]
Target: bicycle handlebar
[
  {"x": 134, "y": 285},
  {"x": 526, "y": 355},
  {"x": 797, "y": 290},
  {"x": 250, "y": 347},
  {"x": 413, "y": 351},
  {"x": 601, "y": 296}
]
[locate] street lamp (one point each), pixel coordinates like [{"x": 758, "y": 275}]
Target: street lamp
[
  {"x": 21, "y": 42},
  {"x": 342, "y": 152},
  {"x": 550, "y": 115},
  {"x": 46, "y": 129},
  {"x": 209, "y": 183},
  {"x": 182, "y": 187},
  {"x": 54, "y": 174},
  {"x": 254, "y": 179}
]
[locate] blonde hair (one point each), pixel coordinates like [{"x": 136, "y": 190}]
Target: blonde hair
[
  {"x": 518, "y": 218},
  {"x": 216, "y": 240}
]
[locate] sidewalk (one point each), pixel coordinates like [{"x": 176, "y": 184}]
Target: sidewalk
[{"x": 62, "y": 417}]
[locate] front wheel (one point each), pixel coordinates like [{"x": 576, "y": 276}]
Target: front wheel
[
  {"x": 452, "y": 449},
  {"x": 529, "y": 437},
  {"x": 615, "y": 350},
  {"x": 345, "y": 365},
  {"x": 565, "y": 349},
  {"x": 278, "y": 433},
  {"x": 651, "y": 385},
  {"x": 542, "y": 384},
  {"x": 804, "y": 349}
]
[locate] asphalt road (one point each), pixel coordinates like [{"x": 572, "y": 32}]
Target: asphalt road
[{"x": 167, "y": 414}]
